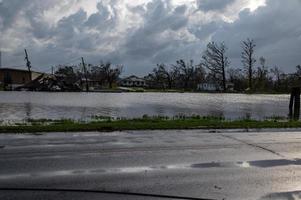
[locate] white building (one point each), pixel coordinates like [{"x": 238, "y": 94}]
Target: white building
[
  {"x": 214, "y": 87},
  {"x": 209, "y": 87},
  {"x": 133, "y": 81}
]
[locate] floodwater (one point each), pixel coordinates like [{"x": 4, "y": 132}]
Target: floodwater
[{"x": 18, "y": 106}]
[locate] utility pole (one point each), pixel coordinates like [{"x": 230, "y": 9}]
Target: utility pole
[
  {"x": 52, "y": 70},
  {"x": 28, "y": 64},
  {"x": 85, "y": 74}
]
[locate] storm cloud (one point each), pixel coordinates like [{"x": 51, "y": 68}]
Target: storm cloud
[{"x": 139, "y": 34}]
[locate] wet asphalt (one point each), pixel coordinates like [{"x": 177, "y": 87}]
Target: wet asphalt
[{"x": 195, "y": 163}]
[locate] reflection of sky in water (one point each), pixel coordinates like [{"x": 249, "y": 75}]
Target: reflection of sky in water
[{"x": 22, "y": 105}]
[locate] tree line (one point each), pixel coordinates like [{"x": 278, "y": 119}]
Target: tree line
[
  {"x": 105, "y": 74},
  {"x": 214, "y": 67}
]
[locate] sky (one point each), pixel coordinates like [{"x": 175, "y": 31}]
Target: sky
[{"x": 141, "y": 33}]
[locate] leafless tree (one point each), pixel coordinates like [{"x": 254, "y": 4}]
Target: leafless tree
[
  {"x": 97, "y": 73},
  {"x": 185, "y": 70},
  {"x": 164, "y": 75},
  {"x": 277, "y": 73},
  {"x": 247, "y": 59},
  {"x": 216, "y": 61},
  {"x": 157, "y": 76},
  {"x": 111, "y": 74},
  {"x": 262, "y": 70},
  {"x": 262, "y": 75},
  {"x": 170, "y": 76}
]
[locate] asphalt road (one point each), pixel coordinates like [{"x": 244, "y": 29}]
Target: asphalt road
[{"x": 194, "y": 163}]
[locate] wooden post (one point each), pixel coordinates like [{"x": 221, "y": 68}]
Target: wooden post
[{"x": 294, "y": 105}]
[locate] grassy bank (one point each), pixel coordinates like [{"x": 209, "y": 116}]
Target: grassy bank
[{"x": 146, "y": 123}]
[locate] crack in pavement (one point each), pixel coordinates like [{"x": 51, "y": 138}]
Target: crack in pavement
[{"x": 254, "y": 145}]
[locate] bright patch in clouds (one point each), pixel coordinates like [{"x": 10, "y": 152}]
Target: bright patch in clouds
[{"x": 253, "y": 5}]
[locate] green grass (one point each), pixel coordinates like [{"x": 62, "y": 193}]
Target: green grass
[{"x": 145, "y": 123}]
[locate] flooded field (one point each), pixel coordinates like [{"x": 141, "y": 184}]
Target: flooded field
[{"x": 15, "y": 106}]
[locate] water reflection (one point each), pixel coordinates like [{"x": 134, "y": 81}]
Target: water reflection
[
  {"x": 148, "y": 169},
  {"x": 24, "y": 105},
  {"x": 206, "y": 165},
  {"x": 291, "y": 195},
  {"x": 274, "y": 163},
  {"x": 28, "y": 109},
  {"x": 247, "y": 164}
]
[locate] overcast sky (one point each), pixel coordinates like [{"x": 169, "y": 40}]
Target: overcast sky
[{"x": 141, "y": 33}]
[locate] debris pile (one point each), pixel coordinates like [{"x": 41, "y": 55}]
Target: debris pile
[{"x": 49, "y": 82}]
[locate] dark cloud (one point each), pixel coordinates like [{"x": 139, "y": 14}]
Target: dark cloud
[
  {"x": 8, "y": 12},
  {"x": 275, "y": 28},
  {"x": 149, "y": 40},
  {"x": 141, "y": 35}
]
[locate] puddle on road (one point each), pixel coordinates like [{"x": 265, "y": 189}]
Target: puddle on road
[
  {"x": 270, "y": 163},
  {"x": 206, "y": 165},
  {"x": 293, "y": 195},
  {"x": 247, "y": 164},
  {"x": 147, "y": 169}
]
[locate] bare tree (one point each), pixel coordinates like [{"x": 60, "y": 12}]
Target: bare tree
[
  {"x": 186, "y": 71},
  {"x": 216, "y": 61},
  {"x": 236, "y": 76},
  {"x": 111, "y": 74},
  {"x": 277, "y": 74},
  {"x": 199, "y": 75},
  {"x": 67, "y": 73},
  {"x": 164, "y": 75},
  {"x": 262, "y": 78},
  {"x": 262, "y": 70},
  {"x": 97, "y": 73},
  {"x": 248, "y": 59},
  {"x": 157, "y": 76}
]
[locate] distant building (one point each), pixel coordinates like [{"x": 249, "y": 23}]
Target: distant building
[
  {"x": 93, "y": 84},
  {"x": 212, "y": 87},
  {"x": 209, "y": 87},
  {"x": 132, "y": 81},
  {"x": 11, "y": 78},
  {"x": 230, "y": 86}
]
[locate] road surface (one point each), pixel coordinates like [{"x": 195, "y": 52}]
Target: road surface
[{"x": 195, "y": 163}]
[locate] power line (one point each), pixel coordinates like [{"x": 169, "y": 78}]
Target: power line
[
  {"x": 50, "y": 68},
  {"x": 69, "y": 62}
]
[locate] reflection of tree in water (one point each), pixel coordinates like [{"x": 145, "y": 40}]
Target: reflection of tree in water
[
  {"x": 216, "y": 113},
  {"x": 83, "y": 114},
  {"x": 28, "y": 110},
  {"x": 216, "y": 109},
  {"x": 86, "y": 113},
  {"x": 160, "y": 110}
]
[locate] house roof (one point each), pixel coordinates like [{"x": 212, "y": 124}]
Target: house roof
[
  {"x": 14, "y": 69},
  {"x": 133, "y": 78}
]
